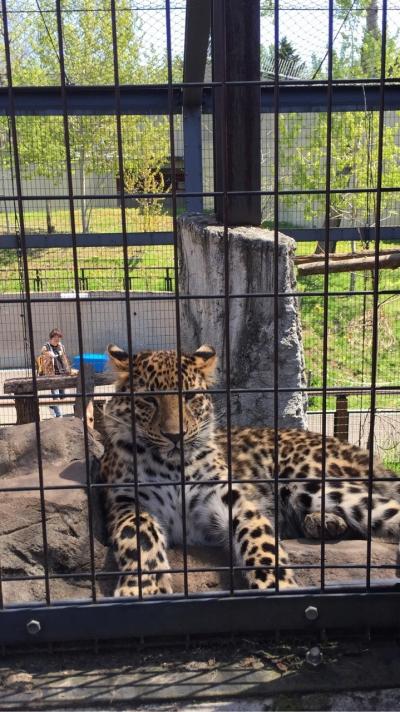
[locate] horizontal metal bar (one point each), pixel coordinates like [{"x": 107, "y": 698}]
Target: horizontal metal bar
[
  {"x": 305, "y": 99},
  {"x": 169, "y": 296},
  {"x": 110, "y": 573},
  {"x": 183, "y": 195},
  {"x": 92, "y": 239},
  {"x": 341, "y": 390},
  {"x": 153, "y": 100},
  {"x": 115, "y": 239},
  {"x": 207, "y": 616},
  {"x": 342, "y": 234},
  {"x": 90, "y": 100},
  {"x": 189, "y": 484}
]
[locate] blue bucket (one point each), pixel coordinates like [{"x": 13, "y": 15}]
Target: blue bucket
[{"x": 98, "y": 361}]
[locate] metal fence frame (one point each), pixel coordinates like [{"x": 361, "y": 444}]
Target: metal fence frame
[{"x": 360, "y": 605}]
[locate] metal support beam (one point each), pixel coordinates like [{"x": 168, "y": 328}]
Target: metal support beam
[
  {"x": 237, "y": 150},
  {"x": 92, "y": 239},
  {"x": 346, "y": 609},
  {"x": 193, "y": 157},
  {"x": 91, "y": 100},
  {"x": 141, "y": 239},
  {"x": 342, "y": 234},
  {"x": 197, "y": 33},
  {"x": 153, "y": 100}
]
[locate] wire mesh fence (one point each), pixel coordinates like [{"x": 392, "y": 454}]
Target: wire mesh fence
[{"x": 95, "y": 239}]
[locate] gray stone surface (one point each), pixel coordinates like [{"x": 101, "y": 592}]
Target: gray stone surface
[
  {"x": 251, "y": 320},
  {"x": 302, "y": 553},
  {"x": 64, "y": 507}
]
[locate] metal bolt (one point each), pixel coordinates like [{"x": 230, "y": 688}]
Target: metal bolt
[
  {"x": 311, "y": 613},
  {"x": 314, "y": 656},
  {"x": 33, "y": 627}
]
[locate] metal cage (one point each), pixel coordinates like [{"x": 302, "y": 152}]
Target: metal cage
[{"x": 231, "y": 99}]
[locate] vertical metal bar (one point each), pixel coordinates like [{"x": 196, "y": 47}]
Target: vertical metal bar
[
  {"x": 177, "y": 302},
  {"x": 127, "y": 283},
  {"x": 276, "y": 298},
  {"x": 326, "y": 282},
  {"x": 223, "y": 119},
  {"x": 1, "y": 587},
  {"x": 77, "y": 288},
  {"x": 239, "y": 22},
  {"x": 375, "y": 298},
  {"x": 193, "y": 157},
  {"x": 18, "y": 184}
]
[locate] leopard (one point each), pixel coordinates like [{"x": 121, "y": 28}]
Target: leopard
[{"x": 172, "y": 474}]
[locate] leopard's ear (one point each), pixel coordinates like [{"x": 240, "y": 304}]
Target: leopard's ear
[
  {"x": 206, "y": 360},
  {"x": 118, "y": 357}
]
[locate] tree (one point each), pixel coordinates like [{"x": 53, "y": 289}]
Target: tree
[
  {"x": 354, "y": 138},
  {"x": 87, "y": 34},
  {"x": 290, "y": 62}
]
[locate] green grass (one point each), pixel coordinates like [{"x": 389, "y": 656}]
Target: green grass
[
  {"x": 349, "y": 344},
  {"x": 101, "y": 220},
  {"x": 100, "y": 268}
]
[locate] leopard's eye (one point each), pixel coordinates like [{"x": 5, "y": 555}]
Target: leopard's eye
[{"x": 150, "y": 400}]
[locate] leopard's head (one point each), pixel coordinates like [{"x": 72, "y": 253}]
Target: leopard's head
[{"x": 157, "y": 416}]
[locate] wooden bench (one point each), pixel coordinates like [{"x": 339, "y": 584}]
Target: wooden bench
[{"x": 22, "y": 389}]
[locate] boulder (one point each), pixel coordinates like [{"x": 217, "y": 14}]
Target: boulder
[
  {"x": 61, "y": 515},
  {"x": 302, "y": 553}
]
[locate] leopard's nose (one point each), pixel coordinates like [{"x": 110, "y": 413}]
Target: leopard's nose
[{"x": 174, "y": 437}]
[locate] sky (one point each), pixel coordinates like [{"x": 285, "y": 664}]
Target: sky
[{"x": 303, "y": 22}]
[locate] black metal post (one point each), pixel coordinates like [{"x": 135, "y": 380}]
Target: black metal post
[{"x": 239, "y": 22}]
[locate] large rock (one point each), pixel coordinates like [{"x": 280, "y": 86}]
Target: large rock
[
  {"x": 302, "y": 553},
  {"x": 62, "y": 517},
  {"x": 251, "y": 320}
]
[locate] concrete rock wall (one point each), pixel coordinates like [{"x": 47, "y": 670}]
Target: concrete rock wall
[{"x": 251, "y": 319}]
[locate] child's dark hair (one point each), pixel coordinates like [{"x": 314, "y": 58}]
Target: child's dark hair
[{"x": 55, "y": 332}]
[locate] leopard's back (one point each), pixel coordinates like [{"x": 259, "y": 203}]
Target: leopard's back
[{"x": 300, "y": 455}]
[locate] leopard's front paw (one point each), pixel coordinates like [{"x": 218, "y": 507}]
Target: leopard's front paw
[
  {"x": 334, "y": 527},
  {"x": 152, "y": 585}
]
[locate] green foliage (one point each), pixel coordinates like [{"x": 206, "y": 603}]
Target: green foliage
[
  {"x": 87, "y": 35},
  {"x": 354, "y": 135}
]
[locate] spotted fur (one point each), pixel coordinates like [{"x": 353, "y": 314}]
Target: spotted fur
[{"x": 146, "y": 517}]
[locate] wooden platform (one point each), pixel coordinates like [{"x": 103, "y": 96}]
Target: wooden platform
[{"x": 24, "y": 391}]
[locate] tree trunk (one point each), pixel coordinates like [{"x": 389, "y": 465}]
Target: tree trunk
[
  {"x": 50, "y": 227},
  {"x": 348, "y": 265},
  {"x": 7, "y": 218},
  {"x": 372, "y": 18},
  {"x": 334, "y": 221},
  {"x": 352, "y": 284},
  {"x": 82, "y": 180}
]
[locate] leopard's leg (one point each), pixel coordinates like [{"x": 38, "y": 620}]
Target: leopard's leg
[
  {"x": 122, "y": 523},
  {"x": 253, "y": 537},
  {"x": 348, "y": 502}
]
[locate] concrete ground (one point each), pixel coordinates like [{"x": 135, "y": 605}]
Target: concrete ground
[{"x": 255, "y": 674}]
